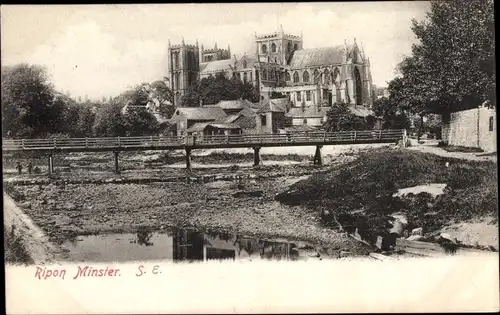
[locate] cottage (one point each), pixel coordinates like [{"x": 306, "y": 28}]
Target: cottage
[
  {"x": 204, "y": 131},
  {"x": 232, "y": 107},
  {"x": 271, "y": 116},
  {"x": 185, "y": 117},
  {"x": 313, "y": 116}
]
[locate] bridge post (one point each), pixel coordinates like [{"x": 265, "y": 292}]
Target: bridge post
[
  {"x": 405, "y": 138},
  {"x": 318, "y": 160},
  {"x": 256, "y": 156},
  {"x": 188, "y": 159},
  {"x": 117, "y": 168},
  {"x": 51, "y": 164}
]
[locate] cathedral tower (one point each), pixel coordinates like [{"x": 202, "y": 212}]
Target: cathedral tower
[
  {"x": 277, "y": 47},
  {"x": 184, "y": 68}
]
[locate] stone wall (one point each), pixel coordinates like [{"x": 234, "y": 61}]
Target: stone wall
[{"x": 474, "y": 128}]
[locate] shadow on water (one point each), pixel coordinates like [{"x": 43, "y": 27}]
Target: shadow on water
[{"x": 186, "y": 245}]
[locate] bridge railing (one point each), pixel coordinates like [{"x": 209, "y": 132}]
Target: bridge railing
[{"x": 159, "y": 141}]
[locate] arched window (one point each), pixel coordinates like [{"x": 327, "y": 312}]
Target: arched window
[
  {"x": 308, "y": 95},
  {"x": 296, "y": 77},
  {"x": 245, "y": 77},
  {"x": 296, "y": 46},
  {"x": 264, "y": 49},
  {"x": 273, "y": 47},
  {"x": 264, "y": 74},
  {"x": 244, "y": 63},
  {"x": 305, "y": 76},
  {"x": 177, "y": 81},
  {"x": 176, "y": 60},
  {"x": 287, "y": 76},
  {"x": 316, "y": 76},
  {"x": 289, "y": 47},
  {"x": 326, "y": 77},
  {"x": 271, "y": 75},
  {"x": 336, "y": 76}
]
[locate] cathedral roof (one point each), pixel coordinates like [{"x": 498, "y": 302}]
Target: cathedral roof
[
  {"x": 312, "y": 57},
  {"x": 216, "y": 66},
  {"x": 201, "y": 113}
]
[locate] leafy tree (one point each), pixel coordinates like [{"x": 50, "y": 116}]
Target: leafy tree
[
  {"x": 392, "y": 113},
  {"x": 138, "y": 121},
  {"x": 109, "y": 121},
  {"x": 28, "y": 107},
  {"x": 162, "y": 95},
  {"x": 452, "y": 68},
  {"x": 340, "y": 118}
]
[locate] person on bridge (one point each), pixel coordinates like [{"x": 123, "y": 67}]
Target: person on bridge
[
  {"x": 19, "y": 167},
  {"x": 30, "y": 167}
]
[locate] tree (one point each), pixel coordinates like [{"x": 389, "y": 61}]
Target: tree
[
  {"x": 393, "y": 114},
  {"x": 28, "y": 107},
  {"x": 162, "y": 95},
  {"x": 452, "y": 68},
  {"x": 109, "y": 121},
  {"x": 340, "y": 118},
  {"x": 138, "y": 121}
]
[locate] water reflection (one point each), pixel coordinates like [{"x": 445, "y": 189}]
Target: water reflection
[{"x": 182, "y": 245}]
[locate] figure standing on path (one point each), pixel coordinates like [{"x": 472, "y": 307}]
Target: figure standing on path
[
  {"x": 19, "y": 167},
  {"x": 30, "y": 167}
]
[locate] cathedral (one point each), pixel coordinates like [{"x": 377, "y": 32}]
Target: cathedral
[{"x": 308, "y": 77}]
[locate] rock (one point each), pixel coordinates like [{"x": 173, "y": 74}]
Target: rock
[
  {"x": 26, "y": 205},
  {"x": 254, "y": 193},
  {"x": 417, "y": 231},
  {"x": 415, "y": 238}
]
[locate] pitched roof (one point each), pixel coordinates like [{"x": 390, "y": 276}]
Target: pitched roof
[
  {"x": 305, "y": 58},
  {"x": 234, "y": 104},
  {"x": 245, "y": 122},
  {"x": 201, "y": 113},
  {"x": 216, "y": 66},
  {"x": 227, "y": 120},
  {"x": 248, "y": 112},
  {"x": 308, "y": 112},
  {"x": 360, "y": 111},
  {"x": 274, "y": 105},
  {"x": 201, "y": 126}
]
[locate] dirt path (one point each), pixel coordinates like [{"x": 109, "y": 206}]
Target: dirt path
[{"x": 434, "y": 149}]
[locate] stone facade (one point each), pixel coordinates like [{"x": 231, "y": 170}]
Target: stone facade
[
  {"x": 475, "y": 128},
  {"x": 310, "y": 77}
]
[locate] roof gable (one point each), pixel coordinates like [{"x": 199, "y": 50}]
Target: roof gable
[{"x": 306, "y": 58}]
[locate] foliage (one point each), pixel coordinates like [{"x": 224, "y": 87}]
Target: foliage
[
  {"x": 452, "y": 68},
  {"x": 213, "y": 89},
  {"x": 14, "y": 248},
  {"x": 109, "y": 121},
  {"x": 162, "y": 96},
  {"x": 390, "y": 111},
  {"x": 138, "y": 121},
  {"x": 339, "y": 118},
  {"x": 29, "y": 108},
  {"x": 368, "y": 185}
]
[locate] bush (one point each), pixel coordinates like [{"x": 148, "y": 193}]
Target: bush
[{"x": 14, "y": 248}]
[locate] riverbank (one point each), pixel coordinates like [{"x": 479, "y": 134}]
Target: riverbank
[{"x": 364, "y": 193}]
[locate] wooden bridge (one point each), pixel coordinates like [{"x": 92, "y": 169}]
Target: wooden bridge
[{"x": 188, "y": 143}]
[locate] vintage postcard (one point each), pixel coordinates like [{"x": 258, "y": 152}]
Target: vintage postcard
[{"x": 250, "y": 158}]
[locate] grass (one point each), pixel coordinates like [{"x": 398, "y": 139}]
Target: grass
[
  {"x": 14, "y": 248},
  {"x": 361, "y": 191}
]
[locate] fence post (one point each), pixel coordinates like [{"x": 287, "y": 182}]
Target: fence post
[
  {"x": 119, "y": 144},
  {"x": 380, "y": 134},
  {"x": 86, "y": 142},
  {"x": 22, "y": 143},
  {"x": 55, "y": 141},
  {"x": 354, "y": 135},
  {"x": 405, "y": 137}
]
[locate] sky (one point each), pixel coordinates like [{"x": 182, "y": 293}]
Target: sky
[{"x": 102, "y": 50}]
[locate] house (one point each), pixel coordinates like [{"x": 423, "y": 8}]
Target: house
[
  {"x": 232, "y": 107},
  {"x": 313, "y": 116},
  {"x": 204, "y": 131},
  {"x": 474, "y": 128},
  {"x": 271, "y": 116},
  {"x": 185, "y": 117},
  {"x": 245, "y": 120}
]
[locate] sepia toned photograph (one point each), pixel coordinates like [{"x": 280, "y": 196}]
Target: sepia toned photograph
[{"x": 291, "y": 133}]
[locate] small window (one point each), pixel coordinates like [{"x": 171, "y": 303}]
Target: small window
[
  {"x": 263, "y": 120},
  {"x": 305, "y": 121},
  {"x": 245, "y": 79},
  {"x": 491, "y": 123},
  {"x": 305, "y": 76},
  {"x": 298, "y": 96},
  {"x": 296, "y": 77},
  {"x": 287, "y": 76},
  {"x": 308, "y": 95},
  {"x": 289, "y": 47},
  {"x": 264, "y": 49},
  {"x": 273, "y": 47},
  {"x": 295, "y": 47}
]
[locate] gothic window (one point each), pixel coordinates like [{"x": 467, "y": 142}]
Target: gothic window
[
  {"x": 177, "y": 80},
  {"x": 273, "y": 47},
  {"x": 305, "y": 76},
  {"x": 264, "y": 74},
  {"x": 277, "y": 76},
  {"x": 251, "y": 79},
  {"x": 176, "y": 60},
  {"x": 289, "y": 47},
  {"x": 308, "y": 95},
  {"x": 491, "y": 123},
  {"x": 264, "y": 49},
  {"x": 296, "y": 46},
  {"x": 326, "y": 77},
  {"x": 298, "y": 96},
  {"x": 287, "y": 76},
  {"x": 245, "y": 77},
  {"x": 244, "y": 63},
  {"x": 296, "y": 77},
  {"x": 316, "y": 76},
  {"x": 271, "y": 75}
]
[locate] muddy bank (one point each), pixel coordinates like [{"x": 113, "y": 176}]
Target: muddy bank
[{"x": 64, "y": 211}]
